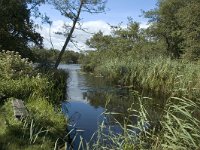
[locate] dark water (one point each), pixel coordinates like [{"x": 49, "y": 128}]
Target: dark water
[{"x": 87, "y": 101}]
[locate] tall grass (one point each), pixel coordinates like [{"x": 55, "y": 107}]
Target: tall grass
[
  {"x": 41, "y": 92},
  {"x": 176, "y": 77},
  {"x": 181, "y": 128},
  {"x": 179, "y": 121},
  {"x": 178, "y": 128}
]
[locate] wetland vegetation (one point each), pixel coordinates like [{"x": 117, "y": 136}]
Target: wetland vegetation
[
  {"x": 151, "y": 76},
  {"x": 42, "y": 94}
]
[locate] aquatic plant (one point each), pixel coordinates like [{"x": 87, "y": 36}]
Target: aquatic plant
[
  {"x": 177, "y": 128},
  {"x": 161, "y": 75}
]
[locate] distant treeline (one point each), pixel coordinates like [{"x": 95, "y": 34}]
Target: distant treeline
[{"x": 50, "y": 56}]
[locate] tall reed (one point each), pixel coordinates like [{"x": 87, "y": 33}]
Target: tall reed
[
  {"x": 176, "y": 77},
  {"x": 178, "y": 128}
]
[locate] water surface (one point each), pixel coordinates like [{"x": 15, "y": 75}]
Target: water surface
[{"x": 87, "y": 101}]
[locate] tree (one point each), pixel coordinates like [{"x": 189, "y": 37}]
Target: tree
[
  {"x": 72, "y": 10},
  {"x": 16, "y": 28},
  {"x": 99, "y": 41},
  {"x": 166, "y": 26},
  {"x": 189, "y": 18},
  {"x": 120, "y": 42},
  {"x": 176, "y": 23}
]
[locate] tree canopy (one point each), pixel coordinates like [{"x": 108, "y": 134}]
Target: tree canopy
[
  {"x": 17, "y": 30},
  {"x": 176, "y": 22}
]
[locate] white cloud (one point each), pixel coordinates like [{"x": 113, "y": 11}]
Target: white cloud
[
  {"x": 80, "y": 36},
  {"x": 144, "y": 25}
]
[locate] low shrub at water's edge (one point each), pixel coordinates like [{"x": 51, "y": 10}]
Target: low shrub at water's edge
[
  {"x": 41, "y": 92},
  {"x": 19, "y": 79},
  {"x": 58, "y": 89},
  {"x": 52, "y": 120},
  {"x": 12, "y": 66}
]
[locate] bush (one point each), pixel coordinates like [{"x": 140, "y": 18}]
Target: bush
[{"x": 41, "y": 92}]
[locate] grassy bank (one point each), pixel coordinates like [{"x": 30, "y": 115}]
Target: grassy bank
[
  {"x": 176, "y": 127},
  {"x": 41, "y": 92},
  {"x": 161, "y": 75}
]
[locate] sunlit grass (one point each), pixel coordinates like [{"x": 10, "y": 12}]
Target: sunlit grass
[
  {"x": 42, "y": 93},
  {"x": 158, "y": 74},
  {"x": 178, "y": 128}
]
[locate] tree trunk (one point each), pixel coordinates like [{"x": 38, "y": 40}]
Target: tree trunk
[{"x": 69, "y": 36}]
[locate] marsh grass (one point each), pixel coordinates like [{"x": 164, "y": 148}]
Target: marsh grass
[
  {"x": 161, "y": 75},
  {"x": 178, "y": 128},
  {"x": 181, "y": 129},
  {"x": 178, "y": 80}
]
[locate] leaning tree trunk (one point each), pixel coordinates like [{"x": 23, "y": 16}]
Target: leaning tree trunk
[{"x": 69, "y": 35}]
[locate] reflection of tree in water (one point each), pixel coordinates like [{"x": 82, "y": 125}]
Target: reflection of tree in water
[
  {"x": 102, "y": 90},
  {"x": 119, "y": 102},
  {"x": 115, "y": 101}
]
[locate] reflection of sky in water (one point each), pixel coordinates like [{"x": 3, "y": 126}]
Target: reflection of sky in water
[
  {"x": 82, "y": 116},
  {"x": 75, "y": 83},
  {"x": 86, "y": 102}
]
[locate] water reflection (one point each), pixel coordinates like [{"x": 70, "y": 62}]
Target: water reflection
[{"x": 89, "y": 97}]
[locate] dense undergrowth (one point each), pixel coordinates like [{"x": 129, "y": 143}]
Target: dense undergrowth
[{"x": 41, "y": 92}]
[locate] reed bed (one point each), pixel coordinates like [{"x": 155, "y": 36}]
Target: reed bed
[
  {"x": 162, "y": 75},
  {"x": 177, "y": 129},
  {"x": 178, "y": 80}
]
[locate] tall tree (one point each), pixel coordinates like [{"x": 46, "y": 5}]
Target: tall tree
[
  {"x": 166, "y": 26},
  {"x": 16, "y": 28},
  {"x": 189, "y": 18},
  {"x": 177, "y": 23},
  {"x": 72, "y": 10}
]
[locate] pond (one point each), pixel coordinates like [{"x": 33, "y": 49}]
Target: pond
[{"x": 89, "y": 97}]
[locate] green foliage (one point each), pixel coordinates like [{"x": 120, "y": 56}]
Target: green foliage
[
  {"x": 178, "y": 129},
  {"x": 158, "y": 74},
  {"x": 131, "y": 58},
  {"x": 40, "y": 129},
  {"x": 134, "y": 57},
  {"x": 46, "y": 57},
  {"x": 13, "y": 66},
  {"x": 16, "y": 27},
  {"x": 188, "y": 17},
  {"x": 48, "y": 118},
  {"x": 176, "y": 23},
  {"x": 99, "y": 41},
  {"x": 19, "y": 79},
  {"x": 180, "y": 124},
  {"x": 41, "y": 92}
]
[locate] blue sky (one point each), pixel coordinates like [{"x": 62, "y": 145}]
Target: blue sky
[
  {"x": 119, "y": 10},
  {"x": 116, "y": 11}
]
